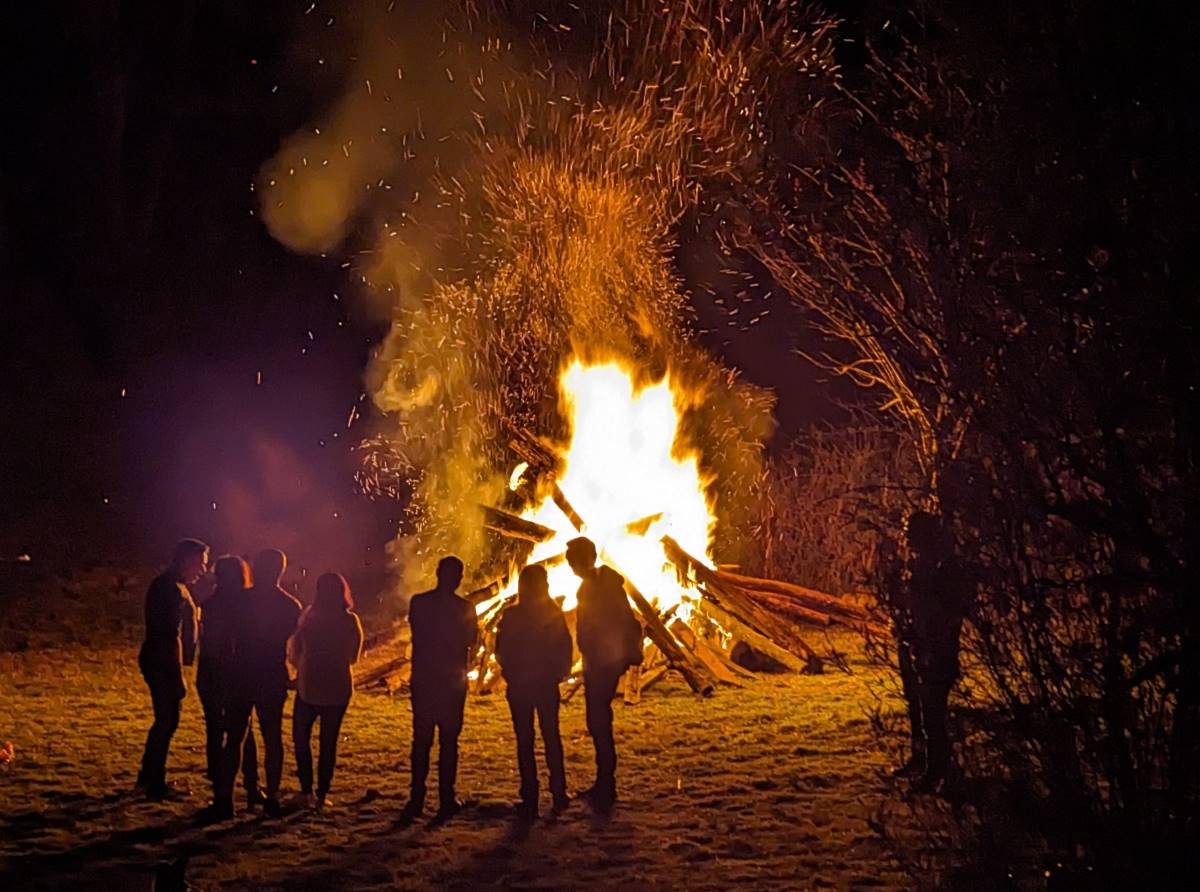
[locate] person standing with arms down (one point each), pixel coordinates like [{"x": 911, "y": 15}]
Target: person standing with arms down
[
  {"x": 219, "y": 677},
  {"x": 534, "y": 649},
  {"x": 271, "y": 618},
  {"x": 327, "y": 643},
  {"x": 933, "y": 603},
  {"x": 610, "y": 640},
  {"x": 444, "y": 634},
  {"x": 169, "y": 644}
]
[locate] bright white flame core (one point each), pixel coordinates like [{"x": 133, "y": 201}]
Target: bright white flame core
[{"x": 620, "y": 469}]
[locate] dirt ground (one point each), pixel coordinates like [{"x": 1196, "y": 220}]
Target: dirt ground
[{"x": 773, "y": 786}]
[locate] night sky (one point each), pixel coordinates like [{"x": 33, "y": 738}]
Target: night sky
[
  {"x": 170, "y": 369},
  {"x": 144, "y": 300}
]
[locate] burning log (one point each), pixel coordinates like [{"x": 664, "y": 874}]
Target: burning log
[
  {"x": 515, "y": 527},
  {"x": 759, "y": 595},
  {"x": 381, "y": 672},
  {"x": 795, "y": 611},
  {"x": 736, "y": 603},
  {"x": 653, "y": 677},
  {"x": 734, "y": 626},
  {"x": 705, "y": 654},
  {"x": 807, "y": 600},
  {"x": 691, "y": 668}
]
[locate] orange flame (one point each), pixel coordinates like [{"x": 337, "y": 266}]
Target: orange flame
[{"x": 627, "y": 477}]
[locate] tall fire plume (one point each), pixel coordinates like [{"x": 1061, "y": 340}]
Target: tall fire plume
[{"x": 509, "y": 183}]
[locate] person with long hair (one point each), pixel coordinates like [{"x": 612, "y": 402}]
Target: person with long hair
[
  {"x": 534, "y": 648},
  {"x": 327, "y": 644},
  {"x": 220, "y": 679}
]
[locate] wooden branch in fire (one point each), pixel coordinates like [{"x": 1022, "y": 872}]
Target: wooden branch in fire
[
  {"x": 761, "y": 596},
  {"x": 514, "y": 527},
  {"x": 736, "y": 604}
]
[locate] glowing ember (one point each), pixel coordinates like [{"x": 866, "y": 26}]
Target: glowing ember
[{"x": 625, "y": 476}]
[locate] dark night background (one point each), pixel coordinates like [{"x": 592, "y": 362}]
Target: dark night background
[
  {"x": 133, "y": 264},
  {"x": 142, "y": 298}
]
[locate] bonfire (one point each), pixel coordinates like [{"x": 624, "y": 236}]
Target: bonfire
[
  {"x": 542, "y": 377},
  {"x": 625, "y": 481}
]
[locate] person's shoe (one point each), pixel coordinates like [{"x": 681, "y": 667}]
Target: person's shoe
[
  {"x": 596, "y": 794},
  {"x": 302, "y": 800},
  {"x": 411, "y": 811},
  {"x": 447, "y": 810},
  {"x": 255, "y": 799},
  {"x": 561, "y": 803},
  {"x": 599, "y": 799},
  {"x": 932, "y": 780},
  {"x": 272, "y": 808},
  {"x": 215, "y": 813},
  {"x": 323, "y": 802},
  {"x": 166, "y": 793},
  {"x": 527, "y": 812},
  {"x": 912, "y": 768}
]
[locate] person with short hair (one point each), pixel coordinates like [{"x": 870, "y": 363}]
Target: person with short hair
[
  {"x": 444, "y": 634},
  {"x": 533, "y": 647},
  {"x": 271, "y": 618},
  {"x": 169, "y": 644},
  {"x": 610, "y": 641},
  {"x": 327, "y": 644}
]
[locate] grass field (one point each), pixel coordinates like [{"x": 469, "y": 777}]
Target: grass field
[{"x": 777, "y": 785}]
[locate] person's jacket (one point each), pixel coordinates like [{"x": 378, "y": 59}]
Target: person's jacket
[
  {"x": 170, "y": 639},
  {"x": 444, "y": 634},
  {"x": 533, "y": 645},
  {"x": 609, "y": 635},
  {"x": 327, "y": 643},
  {"x": 271, "y": 618},
  {"x": 220, "y": 671}
]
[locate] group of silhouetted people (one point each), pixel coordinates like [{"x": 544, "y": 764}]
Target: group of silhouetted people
[
  {"x": 250, "y": 629},
  {"x": 246, "y": 633}
]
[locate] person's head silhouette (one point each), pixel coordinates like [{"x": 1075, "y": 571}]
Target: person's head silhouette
[
  {"x": 269, "y": 565},
  {"x": 333, "y": 593},
  {"x": 232, "y": 573},
  {"x": 449, "y": 573},
  {"x": 533, "y": 585},
  {"x": 928, "y": 536},
  {"x": 581, "y": 555},
  {"x": 190, "y": 560}
]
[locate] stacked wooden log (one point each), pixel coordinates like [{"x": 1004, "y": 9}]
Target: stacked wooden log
[{"x": 766, "y": 615}]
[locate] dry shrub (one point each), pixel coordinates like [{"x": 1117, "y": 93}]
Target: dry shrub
[{"x": 823, "y": 503}]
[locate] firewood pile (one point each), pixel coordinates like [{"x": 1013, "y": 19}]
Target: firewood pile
[{"x": 728, "y": 615}]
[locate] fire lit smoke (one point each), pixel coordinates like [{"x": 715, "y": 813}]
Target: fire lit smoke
[{"x": 512, "y": 192}]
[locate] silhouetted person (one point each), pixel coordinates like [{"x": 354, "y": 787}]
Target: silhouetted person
[
  {"x": 534, "y": 649},
  {"x": 271, "y": 618},
  {"x": 933, "y": 603},
  {"x": 170, "y": 642},
  {"x": 610, "y": 640},
  {"x": 327, "y": 643},
  {"x": 220, "y": 679},
  {"x": 444, "y": 634}
]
